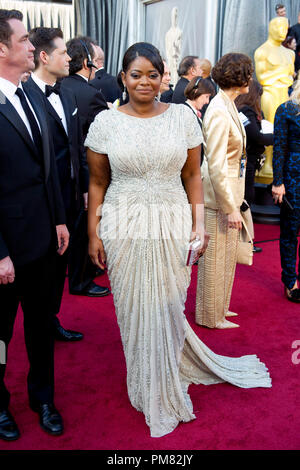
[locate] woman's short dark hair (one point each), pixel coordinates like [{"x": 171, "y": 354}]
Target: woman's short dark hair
[
  {"x": 185, "y": 65},
  {"x": 233, "y": 70},
  {"x": 5, "y": 29},
  {"x": 288, "y": 41},
  {"x": 198, "y": 86},
  {"x": 146, "y": 50},
  {"x": 252, "y": 99}
]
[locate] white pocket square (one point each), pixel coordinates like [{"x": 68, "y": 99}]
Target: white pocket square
[{"x": 75, "y": 112}]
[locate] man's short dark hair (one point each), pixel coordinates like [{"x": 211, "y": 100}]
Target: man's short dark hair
[
  {"x": 185, "y": 65},
  {"x": 43, "y": 40},
  {"x": 279, "y": 6},
  {"x": 5, "y": 29},
  {"x": 78, "y": 53}
]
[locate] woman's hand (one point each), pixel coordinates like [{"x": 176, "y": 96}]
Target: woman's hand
[
  {"x": 97, "y": 253},
  {"x": 203, "y": 236},
  {"x": 278, "y": 192},
  {"x": 235, "y": 220}
]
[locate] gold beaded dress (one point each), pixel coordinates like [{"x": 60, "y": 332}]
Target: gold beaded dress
[{"x": 145, "y": 227}]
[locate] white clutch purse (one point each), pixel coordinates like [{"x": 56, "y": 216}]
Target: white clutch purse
[{"x": 192, "y": 254}]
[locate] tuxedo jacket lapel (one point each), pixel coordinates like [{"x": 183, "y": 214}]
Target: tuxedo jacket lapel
[
  {"x": 7, "y": 109},
  {"x": 44, "y": 132},
  {"x": 67, "y": 111},
  {"x": 31, "y": 83}
]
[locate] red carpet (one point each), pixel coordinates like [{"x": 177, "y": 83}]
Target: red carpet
[{"x": 91, "y": 382}]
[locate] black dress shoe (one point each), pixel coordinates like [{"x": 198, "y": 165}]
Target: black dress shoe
[
  {"x": 93, "y": 290},
  {"x": 50, "y": 419},
  {"x": 293, "y": 295},
  {"x": 257, "y": 249},
  {"x": 60, "y": 334},
  {"x": 8, "y": 428}
]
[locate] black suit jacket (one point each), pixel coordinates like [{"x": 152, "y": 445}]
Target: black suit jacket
[
  {"x": 167, "y": 96},
  {"x": 178, "y": 95},
  {"x": 89, "y": 100},
  {"x": 67, "y": 147},
  {"x": 107, "y": 84},
  {"x": 30, "y": 199}
]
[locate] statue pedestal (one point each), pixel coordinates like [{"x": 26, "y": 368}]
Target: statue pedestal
[{"x": 264, "y": 211}]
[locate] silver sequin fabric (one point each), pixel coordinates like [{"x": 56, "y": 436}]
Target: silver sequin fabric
[{"x": 145, "y": 227}]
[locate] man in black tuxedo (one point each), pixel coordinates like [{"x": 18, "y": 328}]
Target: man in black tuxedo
[
  {"x": 90, "y": 102},
  {"x": 32, "y": 225},
  {"x": 189, "y": 68},
  {"x": 103, "y": 81},
  {"x": 51, "y": 64},
  {"x": 82, "y": 70}
]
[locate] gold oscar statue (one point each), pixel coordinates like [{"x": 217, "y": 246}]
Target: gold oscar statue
[{"x": 274, "y": 66}]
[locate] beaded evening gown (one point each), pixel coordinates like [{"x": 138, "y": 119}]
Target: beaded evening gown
[{"x": 145, "y": 227}]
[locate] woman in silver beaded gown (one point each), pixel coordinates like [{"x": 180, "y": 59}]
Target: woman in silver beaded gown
[{"x": 138, "y": 157}]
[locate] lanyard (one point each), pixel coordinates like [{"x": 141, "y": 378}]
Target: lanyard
[{"x": 243, "y": 162}]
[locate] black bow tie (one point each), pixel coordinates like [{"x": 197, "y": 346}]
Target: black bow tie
[{"x": 52, "y": 89}]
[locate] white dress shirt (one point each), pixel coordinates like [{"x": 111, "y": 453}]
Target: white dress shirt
[
  {"x": 195, "y": 111},
  {"x": 53, "y": 99},
  {"x": 56, "y": 103},
  {"x": 9, "y": 90},
  {"x": 82, "y": 76}
]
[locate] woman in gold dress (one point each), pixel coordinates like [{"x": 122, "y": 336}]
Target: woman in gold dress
[{"x": 223, "y": 183}]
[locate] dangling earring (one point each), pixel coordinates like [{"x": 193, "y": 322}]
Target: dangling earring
[{"x": 124, "y": 94}]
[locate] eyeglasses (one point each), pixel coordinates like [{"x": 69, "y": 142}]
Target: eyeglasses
[{"x": 197, "y": 82}]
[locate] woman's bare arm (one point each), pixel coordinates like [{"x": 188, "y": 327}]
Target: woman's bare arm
[
  {"x": 191, "y": 177},
  {"x": 99, "y": 169}
]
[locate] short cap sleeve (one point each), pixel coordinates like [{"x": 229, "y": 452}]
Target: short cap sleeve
[
  {"x": 193, "y": 131},
  {"x": 97, "y": 138}
]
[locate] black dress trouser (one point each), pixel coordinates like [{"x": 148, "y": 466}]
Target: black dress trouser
[
  {"x": 80, "y": 267},
  {"x": 249, "y": 180},
  {"x": 61, "y": 264},
  {"x": 289, "y": 245},
  {"x": 76, "y": 260},
  {"x": 32, "y": 289}
]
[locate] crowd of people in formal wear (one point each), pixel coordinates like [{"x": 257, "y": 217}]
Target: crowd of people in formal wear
[{"x": 87, "y": 161}]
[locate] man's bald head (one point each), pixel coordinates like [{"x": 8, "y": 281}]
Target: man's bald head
[{"x": 99, "y": 57}]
